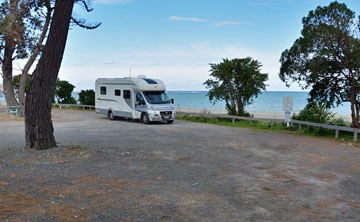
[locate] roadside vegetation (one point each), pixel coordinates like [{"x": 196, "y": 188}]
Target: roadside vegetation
[{"x": 265, "y": 126}]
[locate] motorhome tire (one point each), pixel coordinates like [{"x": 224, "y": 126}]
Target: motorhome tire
[
  {"x": 145, "y": 118},
  {"x": 170, "y": 121},
  {"x": 111, "y": 115}
]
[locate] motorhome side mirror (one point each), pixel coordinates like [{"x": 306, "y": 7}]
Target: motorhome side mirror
[{"x": 172, "y": 101}]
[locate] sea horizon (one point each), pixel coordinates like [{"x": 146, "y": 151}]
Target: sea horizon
[{"x": 267, "y": 101}]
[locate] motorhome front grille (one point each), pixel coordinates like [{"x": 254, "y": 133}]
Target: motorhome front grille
[{"x": 166, "y": 113}]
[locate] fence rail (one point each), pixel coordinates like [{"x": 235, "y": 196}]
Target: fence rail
[
  {"x": 233, "y": 118},
  {"x": 272, "y": 121},
  {"x": 334, "y": 127},
  {"x": 74, "y": 105}
]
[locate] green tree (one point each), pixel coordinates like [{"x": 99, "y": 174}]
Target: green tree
[
  {"x": 87, "y": 97},
  {"x": 236, "y": 82},
  {"x": 17, "y": 79},
  {"x": 326, "y": 58},
  {"x": 39, "y": 130},
  {"x": 63, "y": 92}
]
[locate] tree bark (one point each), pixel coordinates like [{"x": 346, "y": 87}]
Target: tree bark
[
  {"x": 39, "y": 131},
  {"x": 354, "y": 109},
  {"x": 9, "y": 49},
  {"x": 32, "y": 58},
  {"x": 353, "y": 102}
]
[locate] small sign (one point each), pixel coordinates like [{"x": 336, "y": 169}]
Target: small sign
[
  {"x": 288, "y": 103},
  {"x": 287, "y": 116}
]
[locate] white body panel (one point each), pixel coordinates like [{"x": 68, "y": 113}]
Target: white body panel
[{"x": 120, "y": 97}]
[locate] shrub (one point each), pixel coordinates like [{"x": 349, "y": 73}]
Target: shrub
[
  {"x": 87, "y": 97},
  {"x": 316, "y": 113},
  {"x": 339, "y": 122}
]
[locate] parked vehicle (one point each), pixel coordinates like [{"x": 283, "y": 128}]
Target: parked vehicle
[{"x": 135, "y": 98}]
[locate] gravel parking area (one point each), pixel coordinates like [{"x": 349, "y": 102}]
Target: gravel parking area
[{"x": 123, "y": 170}]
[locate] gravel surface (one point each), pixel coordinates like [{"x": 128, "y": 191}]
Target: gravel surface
[{"x": 123, "y": 170}]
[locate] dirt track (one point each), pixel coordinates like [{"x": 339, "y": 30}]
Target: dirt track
[{"x": 126, "y": 171}]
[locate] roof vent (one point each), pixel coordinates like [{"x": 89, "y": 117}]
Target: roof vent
[
  {"x": 141, "y": 77},
  {"x": 150, "y": 81}
]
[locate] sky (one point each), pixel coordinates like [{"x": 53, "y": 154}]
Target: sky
[{"x": 176, "y": 40}]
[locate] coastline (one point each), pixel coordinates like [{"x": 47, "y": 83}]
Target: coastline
[{"x": 273, "y": 115}]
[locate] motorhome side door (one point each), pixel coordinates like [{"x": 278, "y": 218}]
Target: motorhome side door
[{"x": 117, "y": 94}]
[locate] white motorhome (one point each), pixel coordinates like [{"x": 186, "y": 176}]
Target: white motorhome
[{"x": 135, "y": 98}]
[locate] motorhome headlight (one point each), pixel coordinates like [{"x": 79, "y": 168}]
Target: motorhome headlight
[{"x": 153, "y": 112}]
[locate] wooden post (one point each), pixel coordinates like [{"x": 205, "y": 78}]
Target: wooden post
[
  {"x": 271, "y": 124},
  {"x": 299, "y": 127},
  {"x": 233, "y": 120},
  {"x": 355, "y": 136},
  {"x": 308, "y": 128},
  {"x": 336, "y": 134}
]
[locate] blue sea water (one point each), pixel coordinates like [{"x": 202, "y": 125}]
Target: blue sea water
[{"x": 267, "y": 101}]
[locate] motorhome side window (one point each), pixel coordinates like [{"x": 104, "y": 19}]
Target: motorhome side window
[
  {"x": 117, "y": 92},
  {"x": 127, "y": 94},
  {"x": 103, "y": 90}
]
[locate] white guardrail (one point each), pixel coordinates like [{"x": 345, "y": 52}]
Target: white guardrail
[
  {"x": 70, "y": 106},
  {"x": 270, "y": 120}
]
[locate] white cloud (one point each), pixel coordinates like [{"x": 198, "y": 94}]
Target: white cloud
[
  {"x": 181, "y": 68},
  {"x": 121, "y": 2},
  {"x": 176, "y": 18},
  {"x": 214, "y": 24},
  {"x": 225, "y": 23}
]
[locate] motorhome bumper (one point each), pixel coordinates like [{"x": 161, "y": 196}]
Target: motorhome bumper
[{"x": 161, "y": 115}]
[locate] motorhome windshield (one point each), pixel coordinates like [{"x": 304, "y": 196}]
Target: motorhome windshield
[{"x": 156, "y": 97}]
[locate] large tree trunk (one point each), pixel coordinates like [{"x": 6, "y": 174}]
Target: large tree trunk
[
  {"x": 9, "y": 48},
  {"x": 354, "y": 103},
  {"x": 354, "y": 111},
  {"x": 32, "y": 58},
  {"x": 39, "y": 131},
  {"x": 8, "y": 85}
]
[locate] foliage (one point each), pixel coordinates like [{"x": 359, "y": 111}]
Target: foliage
[
  {"x": 87, "y": 97},
  {"x": 315, "y": 113},
  {"x": 339, "y": 122},
  {"x": 20, "y": 20},
  {"x": 326, "y": 58},
  {"x": 236, "y": 81},
  {"x": 16, "y": 82},
  {"x": 319, "y": 113},
  {"x": 279, "y": 127},
  {"x": 63, "y": 92}
]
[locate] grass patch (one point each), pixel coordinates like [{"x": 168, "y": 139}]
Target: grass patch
[{"x": 277, "y": 127}]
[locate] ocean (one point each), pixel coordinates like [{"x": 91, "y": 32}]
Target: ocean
[{"x": 267, "y": 101}]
